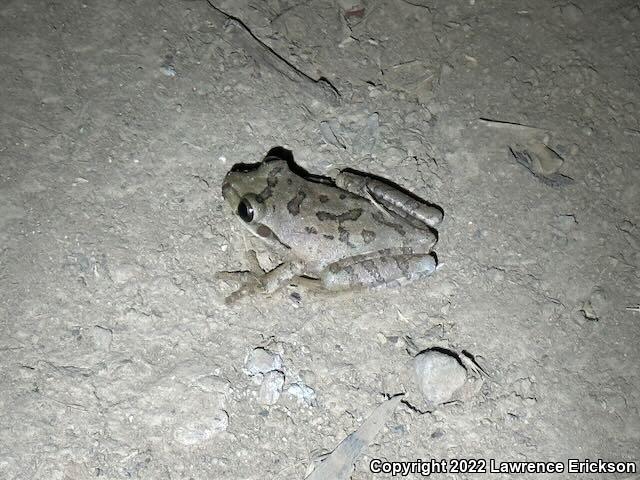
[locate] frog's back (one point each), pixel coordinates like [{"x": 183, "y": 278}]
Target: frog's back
[{"x": 325, "y": 224}]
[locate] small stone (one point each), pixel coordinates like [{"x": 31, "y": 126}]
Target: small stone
[
  {"x": 574, "y": 150},
  {"x": 168, "y": 70},
  {"x": 214, "y": 384},
  {"x": 271, "y": 387},
  {"x": 101, "y": 337},
  {"x": 207, "y": 233},
  {"x": 122, "y": 273},
  {"x": 565, "y": 222},
  {"x": 571, "y": 12},
  {"x": 594, "y": 306},
  {"x": 496, "y": 275},
  {"x": 303, "y": 393},
  {"x": 511, "y": 61},
  {"x": 439, "y": 376},
  {"x": 260, "y": 361},
  {"x": 202, "y": 429}
]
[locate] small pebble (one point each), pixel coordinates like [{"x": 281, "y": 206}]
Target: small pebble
[
  {"x": 439, "y": 376},
  {"x": 101, "y": 337},
  {"x": 168, "y": 70},
  {"x": 214, "y": 384},
  {"x": 260, "y": 361},
  {"x": 202, "y": 429},
  {"x": 564, "y": 223},
  {"x": 595, "y": 305},
  {"x": 571, "y": 12},
  {"x": 271, "y": 387},
  {"x": 303, "y": 393}
]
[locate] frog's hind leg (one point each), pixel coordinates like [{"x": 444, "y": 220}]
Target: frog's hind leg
[
  {"x": 377, "y": 269},
  {"x": 390, "y": 198}
]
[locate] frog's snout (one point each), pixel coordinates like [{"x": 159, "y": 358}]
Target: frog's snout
[{"x": 230, "y": 194}]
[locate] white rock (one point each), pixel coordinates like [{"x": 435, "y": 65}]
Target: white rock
[
  {"x": 202, "y": 429},
  {"x": 122, "y": 273},
  {"x": 101, "y": 337},
  {"x": 214, "y": 384},
  {"x": 168, "y": 70},
  {"x": 439, "y": 376},
  {"x": 271, "y": 387},
  {"x": 303, "y": 393},
  {"x": 260, "y": 361}
]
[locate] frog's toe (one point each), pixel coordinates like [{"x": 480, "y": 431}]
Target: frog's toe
[
  {"x": 247, "y": 290},
  {"x": 233, "y": 298},
  {"x": 235, "y": 277}
]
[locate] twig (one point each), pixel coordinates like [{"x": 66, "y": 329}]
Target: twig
[
  {"x": 322, "y": 88},
  {"x": 503, "y": 124}
]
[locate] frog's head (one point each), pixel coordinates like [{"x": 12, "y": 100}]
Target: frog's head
[{"x": 248, "y": 188}]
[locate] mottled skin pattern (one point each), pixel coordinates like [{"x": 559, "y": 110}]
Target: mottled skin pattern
[{"x": 341, "y": 238}]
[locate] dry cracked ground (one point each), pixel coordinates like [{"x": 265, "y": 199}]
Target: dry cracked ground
[{"x": 119, "y": 120}]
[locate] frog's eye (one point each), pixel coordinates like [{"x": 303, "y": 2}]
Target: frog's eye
[{"x": 245, "y": 210}]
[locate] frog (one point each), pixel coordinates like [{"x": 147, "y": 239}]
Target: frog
[{"x": 348, "y": 231}]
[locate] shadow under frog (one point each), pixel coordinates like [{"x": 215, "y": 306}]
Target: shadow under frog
[{"x": 354, "y": 230}]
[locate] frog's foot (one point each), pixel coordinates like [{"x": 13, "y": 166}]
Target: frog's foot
[
  {"x": 249, "y": 288},
  {"x": 372, "y": 271},
  {"x": 244, "y": 277},
  {"x": 266, "y": 283}
]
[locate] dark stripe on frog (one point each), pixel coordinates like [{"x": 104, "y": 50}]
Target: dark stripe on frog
[
  {"x": 263, "y": 231},
  {"x": 272, "y": 181},
  {"x": 294, "y": 204},
  {"x": 328, "y": 237},
  {"x": 379, "y": 217},
  {"x": 402, "y": 262},
  {"x": 351, "y": 215},
  {"x": 371, "y": 268},
  {"x": 343, "y": 236},
  {"x": 311, "y": 230},
  {"x": 272, "y": 178},
  {"x": 264, "y": 194},
  {"x": 368, "y": 236},
  {"x": 323, "y": 198}
]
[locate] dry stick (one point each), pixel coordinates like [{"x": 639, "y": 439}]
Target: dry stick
[
  {"x": 339, "y": 464},
  {"x": 320, "y": 89},
  {"x": 503, "y": 124}
]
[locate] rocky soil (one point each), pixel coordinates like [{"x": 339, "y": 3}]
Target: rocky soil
[{"x": 118, "y": 357}]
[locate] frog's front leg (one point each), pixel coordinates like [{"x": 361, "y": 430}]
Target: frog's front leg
[
  {"x": 386, "y": 267},
  {"x": 253, "y": 272},
  {"x": 390, "y": 198},
  {"x": 268, "y": 282}
]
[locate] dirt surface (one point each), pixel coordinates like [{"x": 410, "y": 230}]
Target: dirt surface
[{"x": 118, "y": 357}]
